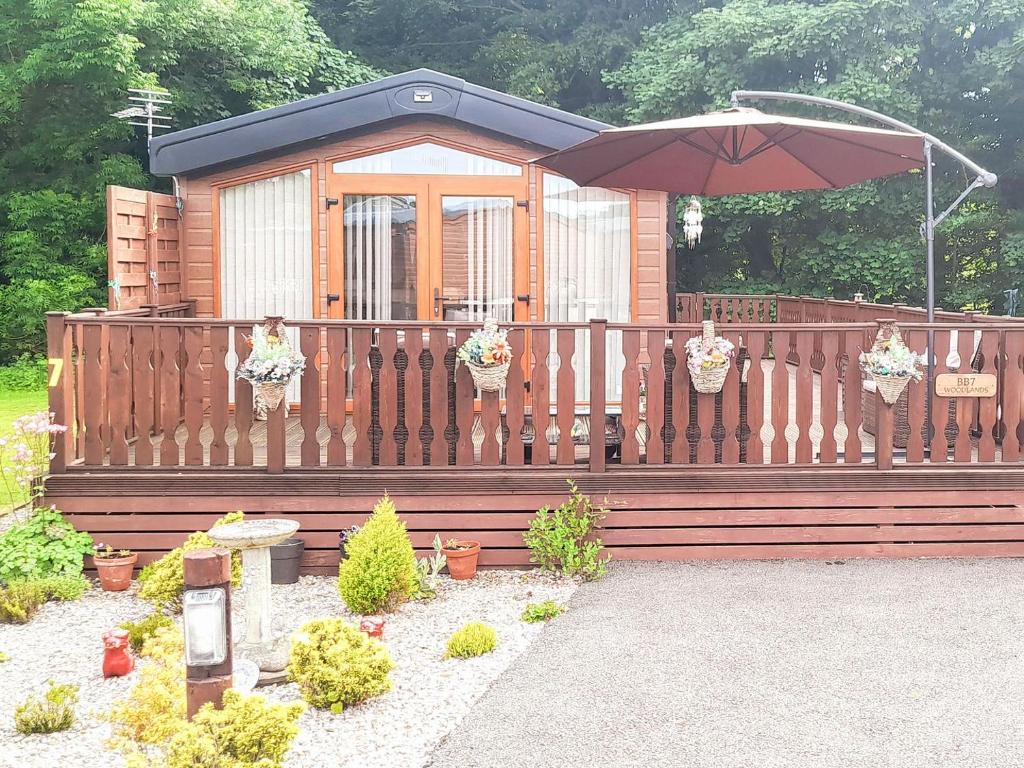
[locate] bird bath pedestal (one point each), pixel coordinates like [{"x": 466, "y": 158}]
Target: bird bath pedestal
[{"x": 255, "y": 538}]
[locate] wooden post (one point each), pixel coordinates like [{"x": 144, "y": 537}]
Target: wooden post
[
  {"x": 276, "y": 418},
  {"x": 884, "y": 418},
  {"x": 152, "y": 289},
  {"x": 209, "y": 569},
  {"x": 59, "y": 358},
  {"x": 598, "y": 337},
  {"x": 191, "y": 310}
]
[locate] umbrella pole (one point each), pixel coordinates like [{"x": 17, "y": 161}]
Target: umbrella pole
[{"x": 929, "y": 235}]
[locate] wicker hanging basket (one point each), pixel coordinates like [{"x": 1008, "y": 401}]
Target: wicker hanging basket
[
  {"x": 890, "y": 387},
  {"x": 489, "y": 378},
  {"x": 711, "y": 380},
  {"x": 271, "y": 393}
]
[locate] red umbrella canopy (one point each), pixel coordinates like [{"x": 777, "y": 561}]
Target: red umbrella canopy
[{"x": 737, "y": 151}]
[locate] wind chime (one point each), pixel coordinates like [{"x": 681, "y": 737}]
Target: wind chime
[{"x": 693, "y": 223}]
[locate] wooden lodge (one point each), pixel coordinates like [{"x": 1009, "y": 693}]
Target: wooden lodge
[{"x": 383, "y": 223}]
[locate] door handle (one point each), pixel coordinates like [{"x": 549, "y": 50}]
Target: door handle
[
  {"x": 439, "y": 301},
  {"x": 333, "y": 297}
]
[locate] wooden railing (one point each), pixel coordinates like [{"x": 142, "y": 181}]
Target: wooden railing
[{"x": 159, "y": 392}]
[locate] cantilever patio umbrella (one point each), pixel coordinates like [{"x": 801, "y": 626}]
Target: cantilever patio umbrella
[{"x": 737, "y": 151}]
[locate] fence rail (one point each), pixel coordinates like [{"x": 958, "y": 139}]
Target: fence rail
[{"x": 150, "y": 391}]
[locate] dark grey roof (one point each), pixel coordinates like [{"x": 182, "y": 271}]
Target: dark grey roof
[{"x": 420, "y": 92}]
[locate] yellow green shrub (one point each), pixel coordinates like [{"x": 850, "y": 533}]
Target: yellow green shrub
[
  {"x": 143, "y": 629},
  {"x": 246, "y": 732},
  {"x": 336, "y": 664},
  {"x": 380, "y": 571},
  {"x": 474, "y": 639},
  {"x": 20, "y": 600},
  {"x": 162, "y": 582},
  {"x": 53, "y": 711}
]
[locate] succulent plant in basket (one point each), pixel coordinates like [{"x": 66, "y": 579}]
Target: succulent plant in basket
[
  {"x": 270, "y": 366},
  {"x": 892, "y": 364},
  {"x": 708, "y": 358},
  {"x": 488, "y": 355}
]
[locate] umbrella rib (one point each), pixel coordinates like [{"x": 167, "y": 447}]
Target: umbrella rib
[
  {"x": 586, "y": 144},
  {"x": 714, "y": 159},
  {"x": 852, "y": 143},
  {"x": 815, "y": 171},
  {"x": 606, "y": 171}
]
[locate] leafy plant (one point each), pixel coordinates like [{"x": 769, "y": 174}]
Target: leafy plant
[
  {"x": 247, "y": 731},
  {"x": 25, "y": 374},
  {"x": 53, "y": 711},
  {"x": 141, "y": 631},
  {"x": 19, "y": 601},
  {"x": 563, "y": 539},
  {"x": 545, "y": 611},
  {"x": 428, "y": 569},
  {"x": 106, "y": 552},
  {"x": 44, "y": 545},
  {"x": 474, "y": 639},
  {"x": 162, "y": 582},
  {"x": 63, "y": 588},
  {"x": 380, "y": 571},
  {"x": 337, "y": 665}
]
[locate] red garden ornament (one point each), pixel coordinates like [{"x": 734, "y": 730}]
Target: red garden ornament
[
  {"x": 117, "y": 659},
  {"x": 373, "y": 626}
]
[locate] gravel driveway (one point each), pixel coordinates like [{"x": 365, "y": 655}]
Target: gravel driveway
[{"x": 860, "y": 663}]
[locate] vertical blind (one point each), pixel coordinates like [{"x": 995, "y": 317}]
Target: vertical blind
[
  {"x": 587, "y": 269},
  {"x": 266, "y": 251},
  {"x": 380, "y": 257},
  {"x": 477, "y": 256}
]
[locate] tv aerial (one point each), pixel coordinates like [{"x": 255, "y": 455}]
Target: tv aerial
[{"x": 146, "y": 111}]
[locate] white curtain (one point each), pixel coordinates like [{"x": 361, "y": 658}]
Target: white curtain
[
  {"x": 478, "y": 255},
  {"x": 368, "y": 255},
  {"x": 587, "y": 269},
  {"x": 266, "y": 252}
]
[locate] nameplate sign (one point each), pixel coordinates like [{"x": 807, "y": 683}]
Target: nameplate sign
[{"x": 966, "y": 385}]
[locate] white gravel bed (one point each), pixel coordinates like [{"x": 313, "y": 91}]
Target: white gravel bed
[{"x": 429, "y": 695}]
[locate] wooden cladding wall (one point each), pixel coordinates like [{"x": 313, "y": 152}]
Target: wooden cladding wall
[
  {"x": 144, "y": 392},
  {"x": 143, "y": 255},
  {"x": 654, "y": 514}
]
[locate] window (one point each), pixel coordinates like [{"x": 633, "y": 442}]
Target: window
[
  {"x": 587, "y": 267},
  {"x": 429, "y": 159}
]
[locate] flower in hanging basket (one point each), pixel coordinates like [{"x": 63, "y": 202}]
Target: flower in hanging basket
[
  {"x": 487, "y": 354},
  {"x": 891, "y": 364},
  {"x": 708, "y": 358},
  {"x": 270, "y": 366}
]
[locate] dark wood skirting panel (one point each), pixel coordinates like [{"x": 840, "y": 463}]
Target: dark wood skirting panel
[{"x": 654, "y": 514}]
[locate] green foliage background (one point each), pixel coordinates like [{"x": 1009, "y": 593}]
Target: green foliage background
[{"x": 953, "y": 67}]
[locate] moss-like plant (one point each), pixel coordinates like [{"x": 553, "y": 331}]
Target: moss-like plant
[
  {"x": 63, "y": 588},
  {"x": 337, "y": 665},
  {"x": 537, "y": 612},
  {"x": 563, "y": 539},
  {"x": 53, "y": 711},
  {"x": 162, "y": 582},
  {"x": 140, "y": 631},
  {"x": 380, "y": 571},
  {"x": 20, "y": 600},
  {"x": 474, "y": 639},
  {"x": 247, "y": 731}
]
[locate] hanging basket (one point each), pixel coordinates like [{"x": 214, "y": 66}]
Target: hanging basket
[
  {"x": 890, "y": 387},
  {"x": 271, "y": 393},
  {"x": 711, "y": 380},
  {"x": 489, "y": 378}
]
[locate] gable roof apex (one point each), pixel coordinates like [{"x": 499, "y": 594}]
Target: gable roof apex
[{"x": 418, "y": 92}]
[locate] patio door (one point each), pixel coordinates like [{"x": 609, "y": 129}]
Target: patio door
[{"x": 427, "y": 249}]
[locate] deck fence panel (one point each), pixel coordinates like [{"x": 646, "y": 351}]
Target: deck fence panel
[
  {"x": 939, "y": 451},
  {"x": 465, "y": 391},
  {"x": 540, "y": 381},
  {"x": 143, "y": 388},
  {"x": 119, "y": 394},
  {"x": 192, "y": 393},
  {"x": 515, "y": 399},
  {"x": 1013, "y": 392},
  {"x": 805, "y": 341},
  {"x": 680, "y": 399},
  {"x": 362, "y": 397},
  {"x": 598, "y": 393},
  {"x": 731, "y": 407},
  {"x": 780, "y": 396},
  {"x": 853, "y": 386},
  {"x": 387, "y": 343},
  {"x": 170, "y": 394},
  {"x": 917, "y": 397},
  {"x": 756, "y": 347},
  {"x": 565, "y": 395},
  {"x": 309, "y": 395},
  {"x": 414, "y": 381},
  {"x": 438, "y": 397},
  {"x": 337, "y": 395},
  {"x": 829, "y": 397},
  {"x": 988, "y": 406},
  {"x": 655, "y": 420},
  {"x": 218, "y": 396},
  {"x": 964, "y": 405},
  {"x": 631, "y": 396}
]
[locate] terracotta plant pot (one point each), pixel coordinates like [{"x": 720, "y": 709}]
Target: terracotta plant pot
[
  {"x": 462, "y": 562},
  {"x": 115, "y": 572}
]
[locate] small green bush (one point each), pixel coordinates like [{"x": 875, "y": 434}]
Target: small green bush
[
  {"x": 140, "y": 631},
  {"x": 4, "y": 657},
  {"x": 474, "y": 639},
  {"x": 162, "y": 582},
  {"x": 44, "y": 545},
  {"x": 247, "y": 732},
  {"x": 537, "y": 612},
  {"x": 53, "y": 711},
  {"x": 337, "y": 665},
  {"x": 25, "y": 374},
  {"x": 19, "y": 601},
  {"x": 380, "y": 571},
  {"x": 563, "y": 539},
  {"x": 63, "y": 588}
]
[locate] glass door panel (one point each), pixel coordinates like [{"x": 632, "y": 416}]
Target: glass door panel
[
  {"x": 379, "y": 257},
  {"x": 476, "y": 259}
]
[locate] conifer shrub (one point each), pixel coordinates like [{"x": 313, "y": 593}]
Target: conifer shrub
[
  {"x": 52, "y": 712},
  {"x": 140, "y": 631},
  {"x": 380, "y": 571},
  {"x": 474, "y": 639},
  {"x": 337, "y": 665},
  {"x": 162, "y": 582},
  {"x": 19, "y": 601}
]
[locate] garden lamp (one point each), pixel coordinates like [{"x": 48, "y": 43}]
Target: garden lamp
[{"x": 204, "y": 615}]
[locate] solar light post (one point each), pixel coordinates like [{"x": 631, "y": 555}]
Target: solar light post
[{"x": 206, "y": 615}]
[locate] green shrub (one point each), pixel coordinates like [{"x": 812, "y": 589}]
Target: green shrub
[
  {"x": 474, "y": 639},
  {"x": 337, "y": 665},
  {"x": 563, "y": 539},
  {"x": 19, "y": 601},
  {"x": 162, "y": 582},
  {"x": 53, "y": 711},
  {"x": 380, "y": 571},
  {"x": 537, "y": 612},
  {"x": 4, "y": 657},
  {"x": 63, "y": 588},
  {"x": 44, "y": 545},
  {"x": 25, "y": 374},
  {"x": 247, "y": 732},
  {"x": 140, "y": 631}
]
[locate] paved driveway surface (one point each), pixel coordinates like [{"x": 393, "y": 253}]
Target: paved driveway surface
[{"x": 863, "y": 663}]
